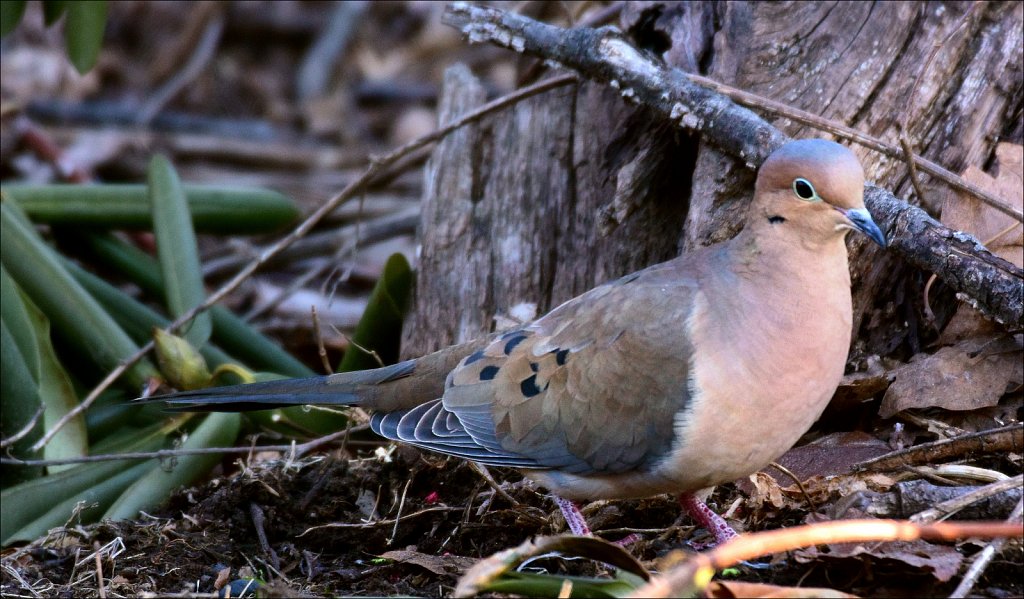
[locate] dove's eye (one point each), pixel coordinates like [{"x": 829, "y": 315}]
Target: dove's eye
[{"x": 804, "y": 190}]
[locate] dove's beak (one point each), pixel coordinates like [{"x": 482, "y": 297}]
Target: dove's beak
[{"x": 861, "y": 220}]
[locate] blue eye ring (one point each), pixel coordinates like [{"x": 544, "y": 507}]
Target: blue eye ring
[{"x": 804, "y": 190}]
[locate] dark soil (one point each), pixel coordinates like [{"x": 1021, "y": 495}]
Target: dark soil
[{"x": 327, "y": 520}]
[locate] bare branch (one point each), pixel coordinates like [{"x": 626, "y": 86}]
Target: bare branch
[{"x": 991, "y": 283}]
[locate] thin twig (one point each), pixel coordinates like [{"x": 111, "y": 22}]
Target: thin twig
[
  {"x": 818, "y": 122},
  {"x": 903, "y": 127},
  {"x": 321, "y": 350},
  {"x": 493, "y": 484},
  {"x": 929, "y": 476},
  {"x": 299, "y": 451},
  {"x": 950, "y": 507},
  {"x": 18, "y": 436},
  {"x": 985, "y": 556},
  {"x": 996, "y": 237},
  {"x": 386, "y": 224},
  {"x": 697, "y": 570},
  {"x": 370, "y": 352},
  {"x": 799, "y": 484},
  {"x": 99, "y": 571},
  {"x": 259, "y": 521},
  {"x": 908, "y": 154},
  {"x": 197, "y": 61},
  {"x": 398, "y": 516},
  {"x": 377, "y": 166},
  {"x": 1004, "y": 438},
  {"x": 379, "y": 523},
  {"x": 381, "y": 228}
]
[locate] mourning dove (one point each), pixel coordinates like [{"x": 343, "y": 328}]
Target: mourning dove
[{"x": 684, "y": 375}]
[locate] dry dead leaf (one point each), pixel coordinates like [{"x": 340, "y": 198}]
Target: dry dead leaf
[
  {"x": 816, "y": 465},
  {"x": 832, "y": 454},
  {"x": 941, "y": 560},
  {"x": 976, "y": 367},
  {"x": 765, "y": 491},
  {"x": 1009, "y": 410},
  {"x": 824, "y": 489},
  {"x": 967, "y": 213},
  {"x": 442, "y": 565},
  {"x": 858, "y": 387},
  {"x": 972, "y": 374}
]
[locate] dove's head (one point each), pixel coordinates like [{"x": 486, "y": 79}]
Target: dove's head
[{"x": 815, "y": 188}]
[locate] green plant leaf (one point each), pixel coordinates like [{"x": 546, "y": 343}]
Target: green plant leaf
[
  {"x": 137, "y": 319},
  {"x": 230, "y": 333},
  {"x": 83, "y": 32},
  {"x": 23, "y": 505},
  {"x": 177, "y": 249},
  {"x": 74, "y": 314},
  {"x": 11, "y": 12},
  {"x": 28, "y": 353},
  {"x": 19, "y": 401},
  {"x": 15, "y": 317},
  {"x": 53, "y": 10},
  {"x": 57, "y": 394},
  {"x": 499, "y": 572},
  {"x": 214, "y": 209},
  {"x": 96, "y": 500},
  {"x": 380, "y": 327},
  {"x": 109, "y": 414},
  {"x": 548, "y": 585},
  {"x": 153, "y": 488}
]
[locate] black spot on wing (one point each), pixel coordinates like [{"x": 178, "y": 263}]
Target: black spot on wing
[
  {"x": 529, "y": 386},
  {"x": 534, "y": 366},
  {"x": 560, "y": 355},
  {"x": 473, "y": 357},
  {"x": 487, "y": 373},
  {"x": 512, "y": 343}
]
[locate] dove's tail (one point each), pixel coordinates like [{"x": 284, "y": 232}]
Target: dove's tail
[
  {"x": 344, "y": 389},
  {"x": 397, "y": 387}
]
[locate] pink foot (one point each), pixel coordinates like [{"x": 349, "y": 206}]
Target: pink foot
[
  {"x": 628, "y": 540},
  {"x": 573, "y": 517},
  {"x": 707, "y": 518},
  {"x": 578, "y": 524}
]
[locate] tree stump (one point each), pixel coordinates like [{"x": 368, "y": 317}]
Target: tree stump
[{"x": 576, "y": 186}]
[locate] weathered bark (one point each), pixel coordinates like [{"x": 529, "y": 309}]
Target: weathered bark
[
  {"x": 522, "y": 208},
  {"x": 571, "y": 189},
  {"x": 857, "y": 63}
]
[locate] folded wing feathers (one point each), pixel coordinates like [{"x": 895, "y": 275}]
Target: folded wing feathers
[{"x": 431, "y": 426}]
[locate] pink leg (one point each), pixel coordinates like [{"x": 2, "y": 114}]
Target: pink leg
[
  {"x": 573, "y": 517},
  {"x": 578, "y": 524},
  {"x": 707, "y": 518}
]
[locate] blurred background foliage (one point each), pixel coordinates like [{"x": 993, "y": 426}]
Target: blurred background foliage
[{"x": 104, "y": 243}]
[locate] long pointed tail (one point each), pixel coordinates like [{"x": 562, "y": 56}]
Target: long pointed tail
[{"x": 343, "y": 389}]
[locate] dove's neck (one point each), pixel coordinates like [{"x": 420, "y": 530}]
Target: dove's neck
[{"x": 779, "y": 262}]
